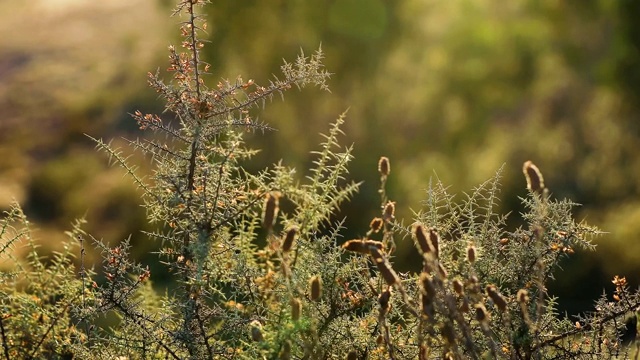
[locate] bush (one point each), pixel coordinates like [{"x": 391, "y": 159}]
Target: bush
[{"x": 260, "y": 268}]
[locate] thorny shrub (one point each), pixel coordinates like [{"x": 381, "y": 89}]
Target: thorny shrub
[{"x": 257, "y": 282}]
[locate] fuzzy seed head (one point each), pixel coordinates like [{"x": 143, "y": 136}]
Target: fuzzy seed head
[
  {"x": 384, "y": 167},
  {"x": 315, "y": 287},
  {"x": 389, "y": 211},
  {"x": 442, "y": 272},
  {"x": 471, "y": 254},
  {"x": 270, "y": 212},
  {"x": 464, "y": 307},
  {"x": 256, "y": 331},
  {"x": 363, "y": 246},
  {"x": 285, "y": 352},
  {"x": 535, "y": 181},
  {"x": 289, "y": 237},
  {"x": 427, "y": 285},
  {"x": 434, "y": 239},
  {"x": 497, "y": 298},
  {"x": 296, "y": 309},
  {"x": 376, "y": 224},
  {"x": 522, "y": 296},
  {"x": 388, "y": 274},
  {"x": 383, "y": 300},
  {"x": 448, "y": 333},
  {"x": 482, "y": 315},
  {"x": 458, "y": 287},
  {"x": 421, "y": 239}
]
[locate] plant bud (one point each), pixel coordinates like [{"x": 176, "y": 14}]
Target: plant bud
[
  {"x": 421, "y": 239},
  {"x": 496, "y": 297},
  {"x": 285, "y": 352},
  {"x": 296, "y": 309},
  {"x": 384, "y": 167},
  {"x": 428, "y": 287},
  {"x": 270, "y": 212},
  {"x": 464, "y": 307},
  {"x": 458, "y": 287},
  {"x": 362, "y": 246},
  {"x": 423, "y": 352},
  {"x": 434, "y": 239},
  {"x": 442, "y": 272},
  {"x": 315, "y": 288},
  {"x": 448, "y": 333},
  {"x": 289, "y": 237},
  {"x": 256, "y": 331},
  {"x": 522, "y": 296},
  {"x": 389, "y": 211},
  {"x": 535, "y": 181},
  {"x": 383, "y": 300},
  {"x": 376, "y": 224},
  {"x": 471, "y": 254},
  {"x": 388, "y": 274},
  {"x": 482, "y": 315}
]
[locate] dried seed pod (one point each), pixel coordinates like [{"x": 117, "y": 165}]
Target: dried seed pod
[
  {"x": 464, "y": 307},
  {"x": 442, "y": 272},
  {"x": 289, "y": 237},
  {"x": 296, "y": 309},
  {"x": 448, "y": 333},
  {"x": 376, "y": 224},
  {"x": 458, "y": 287},
  {"x": 434, "y": 239},
  {"x": 427, "y": 285},
  {"x": 256, "y": 331},
  {"x": 383, "y": 301},
  {"x": 380, "y": 340},
  {"x": 285, "y": 352},
  {"x": 270, "y": 212},
  {"x": 496, "y": 297},
  {"x": 421, "y": 239},
  {"x": 535, "y": 181},
  {"x": 388, "y": 274},
  {"x": 362, "y": 246},
  {"x": 384, "y": 167},
  {"x": 315, "y": 288},
  {"x": 388, "y": 214},
  {"x": 423, "y": 352},
  {"x": 482, "y": 315},
  {"x": 522, "y": 296},
  {"x": 352, "y": 355},
  {"x": 471, "y": 254}
]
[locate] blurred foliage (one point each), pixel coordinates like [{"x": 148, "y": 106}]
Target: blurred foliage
[{"x": 451, "y": 89}]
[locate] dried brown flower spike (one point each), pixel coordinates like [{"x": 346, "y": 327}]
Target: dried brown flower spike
[
  {"x": 362, "y": 246},
  {"x": 389, "y": 211},
  {"x": 315, "y": 288},
  {"x": 421, "y": 239},
  {"x": 535, "y": 181},
  {"x": 271, "y": 209},
  {"x": 384, "y": 167},
  {"x": 471, "y": 254},
  {"x": 496, "y": 297},
  {"x": 388, "y": 274},
  {"x": 296, "y": 309},
  {"x": 376, "y": 224},
  {"x": 289, "y": 237}
]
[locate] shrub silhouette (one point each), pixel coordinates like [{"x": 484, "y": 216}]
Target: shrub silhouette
[{"x": 262, "y": 272}]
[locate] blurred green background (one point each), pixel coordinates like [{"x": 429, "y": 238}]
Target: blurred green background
[{"x": 450, "y": 88}]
